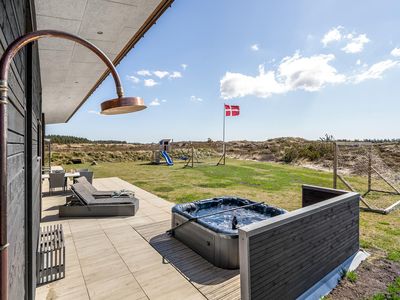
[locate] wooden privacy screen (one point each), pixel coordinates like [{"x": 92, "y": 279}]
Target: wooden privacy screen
[{"x": 284, "y": 256}]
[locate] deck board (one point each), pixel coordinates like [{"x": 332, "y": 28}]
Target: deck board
[
  {"x": 132, "y": 257},
  {"x": 213, "y": 282}
]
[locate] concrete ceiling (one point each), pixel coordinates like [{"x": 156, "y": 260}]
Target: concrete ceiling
[{"x": 70, "y": 72}]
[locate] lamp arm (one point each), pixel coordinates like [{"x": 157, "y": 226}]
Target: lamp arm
[{"x": 22, "y": 41}]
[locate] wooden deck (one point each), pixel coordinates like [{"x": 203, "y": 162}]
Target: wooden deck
[{"x": 132, "y": 257}]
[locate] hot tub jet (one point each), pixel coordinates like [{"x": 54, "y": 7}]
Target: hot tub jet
[{"x": 234, "y": 223}]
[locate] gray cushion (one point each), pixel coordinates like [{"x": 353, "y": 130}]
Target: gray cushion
[
  {"x": 86, "y": 197},
  {"x": 96, "y": 193}
]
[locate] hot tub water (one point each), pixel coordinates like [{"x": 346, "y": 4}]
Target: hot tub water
[{"x": 224, "y": 220}]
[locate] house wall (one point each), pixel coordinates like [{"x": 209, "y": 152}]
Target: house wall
[
  {"x": 23, "y": 157},
  {"x": 283, "y": 257}
]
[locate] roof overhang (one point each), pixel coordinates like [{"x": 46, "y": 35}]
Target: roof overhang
[{"x": 69, "y": 72}]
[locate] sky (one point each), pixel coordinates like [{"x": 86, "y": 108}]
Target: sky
[{"x": 296, "y": 68}]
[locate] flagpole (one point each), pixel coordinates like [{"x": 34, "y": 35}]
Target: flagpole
[
  {"x": 224, "y": 148},
  {"x": 223, "y": 138}
]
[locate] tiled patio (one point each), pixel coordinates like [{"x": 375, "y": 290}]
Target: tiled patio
[{"x": 132, "y": 257}]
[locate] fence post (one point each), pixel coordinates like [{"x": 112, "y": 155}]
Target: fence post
[
  {"x": 335, "y": 164},
  {"x": 369, "y": 168}
]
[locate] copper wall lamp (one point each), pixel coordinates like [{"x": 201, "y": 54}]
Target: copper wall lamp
[{"x": 118, "y": 105}]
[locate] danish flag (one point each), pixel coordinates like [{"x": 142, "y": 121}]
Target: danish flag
[{"x": 232, "y": 110}]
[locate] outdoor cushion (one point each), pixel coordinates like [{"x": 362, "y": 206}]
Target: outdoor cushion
[
  {"x": 88, "y": 199},
  {"x": 96, "y": 193}
]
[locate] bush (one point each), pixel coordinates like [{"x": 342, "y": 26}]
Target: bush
[{"x": 290, "y": 155}]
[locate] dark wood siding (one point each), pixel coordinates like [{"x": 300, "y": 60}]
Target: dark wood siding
[
  {"x": 313, "y": 194},
  {"x": 23, "y": 164},
  {"x": 287, "y": 258}
]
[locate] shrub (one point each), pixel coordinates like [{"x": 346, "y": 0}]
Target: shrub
[{"x": 290, "y": 155}]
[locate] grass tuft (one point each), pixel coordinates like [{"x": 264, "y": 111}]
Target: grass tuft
[
  {"x": 351, "y": 276},
  {"x": 392, "y": 292},
  {"x": 394, "y": 255}
]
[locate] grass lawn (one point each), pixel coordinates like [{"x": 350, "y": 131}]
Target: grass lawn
[{"x": 276, "y": 184}]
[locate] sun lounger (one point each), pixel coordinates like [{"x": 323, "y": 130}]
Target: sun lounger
[
  {"x": 99, "y": 194},
  {"x": 84, "y": 204}
]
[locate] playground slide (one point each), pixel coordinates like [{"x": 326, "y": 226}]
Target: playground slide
[{"x": 167, "y": 158}]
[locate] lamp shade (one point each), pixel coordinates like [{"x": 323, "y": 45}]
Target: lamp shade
[{"x": 122, "y": 105}]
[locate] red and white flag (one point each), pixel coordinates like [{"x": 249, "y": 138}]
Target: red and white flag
[{"x": 232, "y": 110}]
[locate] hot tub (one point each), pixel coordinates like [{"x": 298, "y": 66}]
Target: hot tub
[{"x": 216, "y": 237}]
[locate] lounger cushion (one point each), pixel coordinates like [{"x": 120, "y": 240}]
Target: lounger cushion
[
  {"x": 87, "y": 198},
  {"x": 96, "y": 193},
  {"x": 86, "y": 183}
]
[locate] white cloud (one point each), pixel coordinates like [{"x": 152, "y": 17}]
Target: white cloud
[
  {"x": 375, "y": 71},
  {"x": 184, "y": 66},
  {"x": 255, "y": 47},
  {"x": 155, "y": 102},
  {"x": 175, "y": 74},
  {"x": 196, "y": 99},
  {"x": 356, "y": 44},
  {"x": 332, "y": 35},
  {"x": 308, "y": 73},
  {"x": 239, "y": 85},
  {"x": 150, "y": 82},
  {"x": 163, "y": 100},
  {"x": 95, "y": 112},
  {"x": 133, "y": 79},
  {"x": 160, "y": 74},
  {"x": 144, "y": 73},
  {"x": 395, "y": 52},
  {"x": 295, "y": 72},
  {"x": 358, "y": 62}
]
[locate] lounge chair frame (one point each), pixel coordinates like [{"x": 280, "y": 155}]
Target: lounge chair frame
[{"x": 98, "y": 210}]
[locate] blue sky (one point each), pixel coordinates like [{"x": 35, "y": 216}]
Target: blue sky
[{"x": 296, "y": 68}]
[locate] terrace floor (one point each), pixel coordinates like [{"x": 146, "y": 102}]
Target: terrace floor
[{"x": 131, "y": 257}]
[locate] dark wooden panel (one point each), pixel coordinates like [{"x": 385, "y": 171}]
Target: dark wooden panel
[
  {"x": 16, "y": 121},
  {"x": 23, "y": 164},
  {"x": 16, "y": 227},
  {"x": 13, "y": 149},
  {"x": 285, "y": 232},
  {"x": 287, "y": 259},
  {"x": 34, "y": 112},
  {"x": 15, "y": 138},
  {"x": 13, "y": 30},
  {"x": 312, "y": 195}
]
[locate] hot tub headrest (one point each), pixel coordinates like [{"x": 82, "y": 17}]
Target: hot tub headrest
[{"x": 185, "y": 207}]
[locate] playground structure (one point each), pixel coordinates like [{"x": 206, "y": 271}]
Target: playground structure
[
  {"x": 165, "y": 146},
  {"x": 192, "y": 158},
  {"x": 364, "y": 161}
]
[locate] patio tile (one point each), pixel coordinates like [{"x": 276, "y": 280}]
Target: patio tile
[
  {"x": 107, "y": 258},
  {"x": 124, "y": 287},
  {"x": 102, "y": 271},
  {"x": 139, "y": 221}
]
